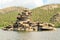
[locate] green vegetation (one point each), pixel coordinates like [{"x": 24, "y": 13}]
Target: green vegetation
[
  {"x": 8, "y": 18},
  {"x": 38, "y": 14},
  {"x": 45, "y": 13}
]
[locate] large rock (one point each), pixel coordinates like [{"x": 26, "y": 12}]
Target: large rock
[{"x": 23, "y": 23}]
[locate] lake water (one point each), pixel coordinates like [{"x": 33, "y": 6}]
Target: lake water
[{"x": 42, "y": 35}]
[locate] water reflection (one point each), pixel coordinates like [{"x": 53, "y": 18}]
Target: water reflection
[{"x": 43, "y": 35}]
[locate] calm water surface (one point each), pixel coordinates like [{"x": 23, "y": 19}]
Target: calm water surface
[{"x": 43, "y": 35}]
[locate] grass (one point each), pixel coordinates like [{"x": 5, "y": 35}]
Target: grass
[
  {"x": 8, "y": 18},
  {"x": 38, "y": 14},
  {"x": 44, "y": 15}
]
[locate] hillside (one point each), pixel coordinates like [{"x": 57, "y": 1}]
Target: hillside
[
  {"x": 11, "y": 9},
  {"x": 45, "y": 13},
  {"x": 42, "y": 14},
  {"x": 8, "y": 15}
]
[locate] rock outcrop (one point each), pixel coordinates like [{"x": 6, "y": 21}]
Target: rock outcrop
[{"x": 23, "y": 23}]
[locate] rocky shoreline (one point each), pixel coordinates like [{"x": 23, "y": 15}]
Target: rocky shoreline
[{"x": 23, "y": 23}]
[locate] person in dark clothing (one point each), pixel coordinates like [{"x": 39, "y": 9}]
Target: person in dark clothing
[
  {"x": 39, "y": 26},
  {"x": 9, "y": 26},
  {"x": 19, "y": 16},
  {"x": 15, "y": 25}
]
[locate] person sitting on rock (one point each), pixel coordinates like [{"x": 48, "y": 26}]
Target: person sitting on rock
[
  {"x": 7, "y": 27},
  {"x": 15, "y": 25},
  {"x": 19, "y": 16}
]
